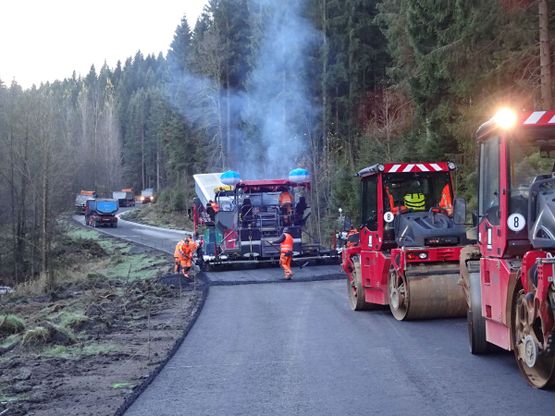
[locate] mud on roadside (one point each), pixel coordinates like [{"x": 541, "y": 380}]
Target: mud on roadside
[{"x": 85, "y": 348}]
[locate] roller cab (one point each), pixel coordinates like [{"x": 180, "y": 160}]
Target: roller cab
[
  {"x": 406, "y": 251},
  {"x": 512, "y": 304}
]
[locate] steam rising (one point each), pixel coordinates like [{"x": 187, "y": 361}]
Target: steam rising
[{"x": 271, "y": 121}]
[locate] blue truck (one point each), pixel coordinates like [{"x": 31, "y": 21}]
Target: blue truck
[{"x": 101, "y": 213}]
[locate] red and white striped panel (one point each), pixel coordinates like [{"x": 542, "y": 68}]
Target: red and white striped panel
[
  {"x": 539, "y": 118},
  {"x": 416, "y": 167}
]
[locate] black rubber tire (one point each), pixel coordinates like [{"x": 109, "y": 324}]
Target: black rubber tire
[
  {"x": 476, "y": 322},
  {"x": 356, "y": 302},
  {"x": 355, "y": 288},
  {"x": 542, "y": 375},
  {"x": 401, "y": 311}
]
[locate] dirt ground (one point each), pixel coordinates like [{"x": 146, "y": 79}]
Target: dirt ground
[{"x": 85, "y": 347}]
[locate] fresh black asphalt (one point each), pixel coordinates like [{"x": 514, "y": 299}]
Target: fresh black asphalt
[{"x": 297, "y": 349}]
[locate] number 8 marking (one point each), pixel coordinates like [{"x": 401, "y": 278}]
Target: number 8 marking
[{"x": 516, "y": 222}]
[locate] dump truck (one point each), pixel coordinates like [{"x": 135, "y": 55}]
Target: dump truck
[
  {"x": 239, "y": 222},
  {"x": 509, "y": 275},
  {"x": 101, "y": 213},
  {"x": 147, "y": 196},
  {"x": 81, "y": 200},
  {"x": 406, "y": 252},
  {"x": 125, "y": 197}
]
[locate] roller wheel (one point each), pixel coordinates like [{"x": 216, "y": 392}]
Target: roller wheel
[
  {"x": 537, "y": 367},
  {"x": 355, "y": 289},
  {"x": 476, "y": 322},
  {"x": 399, "y": 295}
]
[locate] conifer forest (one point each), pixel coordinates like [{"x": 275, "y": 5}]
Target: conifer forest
[{"x": 265, "y": 86}]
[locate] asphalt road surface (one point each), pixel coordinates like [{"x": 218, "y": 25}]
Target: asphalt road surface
[{"x": 297, "y": 349}]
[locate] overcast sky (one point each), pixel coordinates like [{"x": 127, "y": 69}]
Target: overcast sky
[{"x": 45, "y": 40}]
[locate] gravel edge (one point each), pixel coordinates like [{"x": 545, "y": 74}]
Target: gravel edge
[{"x": 142, "y": 387}]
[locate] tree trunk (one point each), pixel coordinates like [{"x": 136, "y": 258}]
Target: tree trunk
[
  {"x": 545, "y": 55},
  {"x": 158, "y": 163},
  {"x": 324, "y": 84},
  {"x": 95, "y": 138},
  {"x": 351, "y": 77},
  {"x": 13, "y": 203},
  {"x": 44, "y": 224},
  {"x": 143, "y": 168}
]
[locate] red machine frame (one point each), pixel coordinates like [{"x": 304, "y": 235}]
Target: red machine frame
[
  {"x": 377, "y": 257},
  {"x": 510, "y": 301}
]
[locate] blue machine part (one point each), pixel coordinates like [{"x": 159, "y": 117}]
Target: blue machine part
[
  {"x": 299, "y": 175},
  {"x": 230, "y": 177}
]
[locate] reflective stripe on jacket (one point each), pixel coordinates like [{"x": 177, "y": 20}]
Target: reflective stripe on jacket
[{"x": 287, "y": 244}]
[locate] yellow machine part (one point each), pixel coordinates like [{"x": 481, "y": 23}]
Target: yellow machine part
[{"x": 223, "y": 188}]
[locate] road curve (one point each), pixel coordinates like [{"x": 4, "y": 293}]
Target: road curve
[
  {"x": 165, "y": 240},
  {"x": 297, "y": 349}
]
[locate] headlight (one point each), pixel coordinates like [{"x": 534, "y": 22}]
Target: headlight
[
  {"x": 505, "y": 118},
  {"x": 381, "y": 167},
  {"x": 423, "y": 256},
  {"x": 451, "y": 166}
]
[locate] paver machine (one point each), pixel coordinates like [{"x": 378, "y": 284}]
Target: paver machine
[
  {"x": 510, "y": 283},
  {"x": 406, "y": 252},
  {"x": 239, "y": 219}
]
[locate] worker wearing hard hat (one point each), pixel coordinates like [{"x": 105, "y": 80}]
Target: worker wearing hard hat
[
  {"x": 286, "y": 252},
  {"x": 183, "y": 255}
]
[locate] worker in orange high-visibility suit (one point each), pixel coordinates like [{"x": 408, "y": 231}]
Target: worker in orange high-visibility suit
[
  {"x": 286, "y": 206},
  {"x": 352, "y": 237},
  {"x": 183, "y": 255},
  {"x": 392, "y": 207},
  {"x": 286, "y": 252},
  {"x": 446, "y": 201}
]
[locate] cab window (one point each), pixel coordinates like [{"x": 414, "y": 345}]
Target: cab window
[
  {"x": 369, "y": 203},
  {"x": 489, "y": 180}
]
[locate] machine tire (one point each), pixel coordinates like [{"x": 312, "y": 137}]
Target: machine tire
[
  {"x": 541, "y": 374},
  {"x": 355, "y": 288},
  {"x": 476, "y": 323},
  {"x": 399, "y": 295}
]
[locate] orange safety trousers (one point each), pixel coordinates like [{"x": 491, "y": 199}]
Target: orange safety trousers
[{"x": 285, "y": 263}]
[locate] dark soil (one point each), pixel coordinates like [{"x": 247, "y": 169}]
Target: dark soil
[{"x": 128, "y": 330}]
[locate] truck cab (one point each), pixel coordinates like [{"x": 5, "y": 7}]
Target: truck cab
[
  {"x": 101, "y": 213},
  {"x": 81, "y": 200}
]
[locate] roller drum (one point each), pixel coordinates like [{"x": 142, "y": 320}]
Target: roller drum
[{"x": 432, "y": 291}]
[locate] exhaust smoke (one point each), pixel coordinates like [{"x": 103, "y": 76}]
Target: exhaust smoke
[{"x": 272, "y": 119}]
